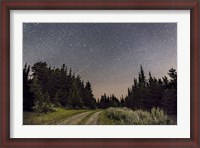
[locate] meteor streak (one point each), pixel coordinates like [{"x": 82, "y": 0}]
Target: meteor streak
[{"x": 84, "y": 68}]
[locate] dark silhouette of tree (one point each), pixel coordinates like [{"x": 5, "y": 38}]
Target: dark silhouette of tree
[
  {"x": 89, "y": 100},
  {"x": 48, "y": 87},
  {"x": 142, "y": 78},
  {"x": 41, "y": 100},
  {"x": 56, "y": 87},
  {"x": 114, "y": 102},
  {"x": 173, "y": 78},
  {"x": 27, "y": 95},
  {"x": 104, "y": 101},
  {"x": 108, "y": 101},
  {"x": 40, "y": 71},
  {"x": 122, "y": 102},
  {"x": 152, "y": 92},
  {"x": 169, "y": 100}
]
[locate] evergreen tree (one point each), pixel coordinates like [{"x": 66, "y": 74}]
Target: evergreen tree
[
  {"x": 146, "y": 94},
  {"x": 74, "y": 94},
  {"x": 89, "y": 100},
  {"x": 142, "y": 78},
  {"x": 122, "y": 102},
  {"x": 173, "y": 75},
  {"x": 169, "y": 100},
  {"x": 27, "y": 95},
  {"x": 40, "y": 71},
  {"x": 104, "y": 102},
  {"x": 60, "y": 87},
  {"x": 114, "y": 102},
  {"x": 39, "y": 96},
  {"x": 48, "y": 87}
]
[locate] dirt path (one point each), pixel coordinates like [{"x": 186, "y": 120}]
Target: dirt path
[
  {"x": 73, "y": 120},
  {"x": 93, "y": 120}
]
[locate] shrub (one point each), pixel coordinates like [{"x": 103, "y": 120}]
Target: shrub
[
  {"x": 43, "y": 107},
  {"x": 125, "y": 116}
]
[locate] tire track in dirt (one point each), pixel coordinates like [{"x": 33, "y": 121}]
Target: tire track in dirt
[
  {"x": 74, "y": 120},
  {"x": 93, "y": 120}
]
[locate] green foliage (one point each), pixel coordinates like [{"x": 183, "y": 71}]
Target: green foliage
[
  {"x": 49, "y": 87},
  {"x": 169, "y": 101},
  {"x": 149, "y": 93},
  {"x": 125, "y": 116},
  {"x": 89, "y": 100},
  {"x": 173, "y": 75},
  {"x": 109, "y": 101},
  {"x": 43, "y": 107},
  {"x": 104, "y": 120}
]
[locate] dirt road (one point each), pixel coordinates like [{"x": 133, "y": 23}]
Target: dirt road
[
  {"x": 93, "y": 120},
  {"x": 76, "y": 119}
]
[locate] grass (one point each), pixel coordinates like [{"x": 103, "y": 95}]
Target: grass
[
  {"x": 104, "y": 120},
  {"x": 110, "y": 116},
  {"x": 125, "y": 116},
  {"x": 33, "y": 118}
]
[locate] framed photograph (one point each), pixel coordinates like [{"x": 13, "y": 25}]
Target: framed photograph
[{"x": 100, "y": 73}]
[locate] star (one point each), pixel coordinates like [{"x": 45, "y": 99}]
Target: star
[{"x": 115, "y": 50}]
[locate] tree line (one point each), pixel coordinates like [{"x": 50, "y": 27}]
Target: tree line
[
  {"x": 46, "y": 88},
  {"x": 147, "y": 93}
]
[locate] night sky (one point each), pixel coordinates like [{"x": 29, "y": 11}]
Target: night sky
[{"x": 109, "y": 55}]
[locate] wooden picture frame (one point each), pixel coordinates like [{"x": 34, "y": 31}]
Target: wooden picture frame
[{"x": 7, "y": 6}]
